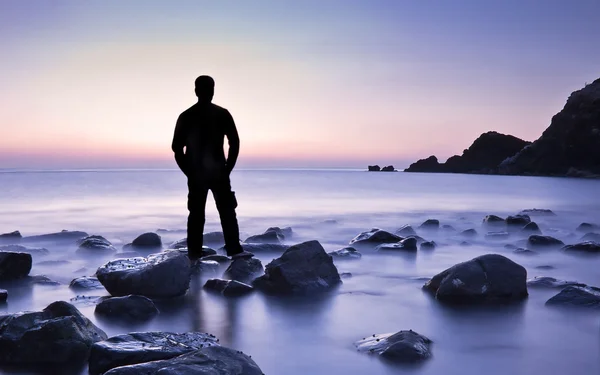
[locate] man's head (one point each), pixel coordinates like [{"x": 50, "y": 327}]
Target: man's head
[{"x": 205, "y": 89}]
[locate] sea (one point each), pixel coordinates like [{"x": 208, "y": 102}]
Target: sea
[{"x": 316, "y": 334}]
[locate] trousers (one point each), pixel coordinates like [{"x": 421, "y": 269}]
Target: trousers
[{"x": 226, "y": 205}]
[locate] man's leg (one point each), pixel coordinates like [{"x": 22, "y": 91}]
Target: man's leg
[
  {"x": 226, "y": 205},
  {"x": 195, "y": 226}
]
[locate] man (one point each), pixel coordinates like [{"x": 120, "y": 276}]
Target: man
[{"x": 201, "y": 130}]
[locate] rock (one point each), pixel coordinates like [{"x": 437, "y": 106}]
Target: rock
[
  {"x": 200, "y": 267},
  {"x": 53, "y": 263},
  {"x": 577, "y": 296},
  {"x": 179, "y": 244},
  {"x": 16, "y": 235},
  {"x": 94, "y": 245},
  {"x": 34, "y": 251},
  {"x": 255, "y": 248},
  {"x": 469, "y": 233},
  {"x": 594, "y": 237},
  {"x": 545, "y": 267},
  {"x": 587, "y": 227},
  {"x": 304, "y": 268},
  {"x": 430, "y": 224},
  {"x": 244, "y": 270},
  {"x": 57, "y": 334},
  {"x": 430, "y": 164},
  {"x": 346, "y": 253},
  {"x": 130, "y": 307},
  {"x": 147, "y": 241},
  {"x": 389, "y": 168},
  {"x": 497, "y": 235},
  {"x": 3, "y": 295},
  {"x": 40, "y": 280},
  {"x": 162, "y": 275},
  {"x": 584, "y": 247},
  {"x": 213, "y": 238},
  {"x": 375, "y": 236},
  {"x": 522, "y": 251},
  {"x": 345, "y": 275},
  {"x": 374, "y": 168},
  {"x": 85, "y": 282},
  {"x": 550, "y": 282},
  {"x": 228, "y": 287},
  {"x": 14, "y": 265},
  {"x": 448, "y": 228},
  {"x": 428, "y": 245},
  {"x": 464, "y": 243},
  {"x": 206, "y": 251},
  {"x": 518, "y": 220},
  {"x": 406, "y": 230},
  {"x": 543, "y": 241},
  {"x": 570, "y": 146},
  {"x": 537, "y": 212},
  {"x": 221, "y": 259},
  {"x": 267, "y": 237},
  {"x": 488, "y": 277},
  {"x": 142, "y": 347},
  {"x": 215, "y": 360},
  {"x": 285, "y": 232},
  {"x": 65, "y": 235},
  {"x": 409, "y": 244},
  {"x": 493, "y": 220},
  {"x": 532, "y": 227},
  {"x": 403, "y": 346}
]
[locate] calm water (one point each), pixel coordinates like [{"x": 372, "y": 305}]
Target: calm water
[{"x": 315, "y": 335}]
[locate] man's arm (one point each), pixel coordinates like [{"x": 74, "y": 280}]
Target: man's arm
[
  {"x": 178, "y": 144},
  {"x": 234, "y": 141}
]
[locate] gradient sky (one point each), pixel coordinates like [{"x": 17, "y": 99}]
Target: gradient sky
[{"x": 336, "y": 83}]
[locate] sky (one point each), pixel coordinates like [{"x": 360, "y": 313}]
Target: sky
[{"x": 311, "y": 83}]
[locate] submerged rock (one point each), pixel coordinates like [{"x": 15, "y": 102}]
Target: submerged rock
[
  {"x": 497, "y": 235},
  {"x": 550, "y": 282},
  {"x": 406, "y": 230},
  {"x": 179, "y": 244},
  {"x": 303, "y": 268},
  {"x": 493, "y": 220},
  {"x": 375, "y": 236},
  {"x": 428, "y": 245},
  {"x": 147, "y": 241},
  {"x": 403, "y": 346},
  {"x": 346, "y": 253},
  {"x": 584, "y": 247},
  {"x": 142, "y": 347},
  {"x": 594, "y": 237},
  {"x": 409, "y": 244},
  {"x": 577, "y": 296},
  {"x": 215, "y": 360},
  {"x": 522, "y": 251},
  {"x": 518, "y": 220},
  {"x": 85, "y": 282},
  {"x": 34, "y": 251},
  {"x": 285, "y": 232},
  {"x": 65, "y": 235},
  {"x": 95, "y": 245},
  {"x": 537, "y": 212},
  {"x": 130, "y": 307},
  {"x": 544, "y": 241},
  {"x": 161, "y": 275},
  {"x": 532, "y": 227},
  {"x": 468, "y": 233},
  {"x": 587, "y": 227},
  {"x": 57, "y": 334},
  {"x": 430, "y": 224},
  {"x": 244, "y": 270},
  {"x": 228, "y": 287},
  {"x": 14, "y": 265},
  {"x": 488, "y": 277}
]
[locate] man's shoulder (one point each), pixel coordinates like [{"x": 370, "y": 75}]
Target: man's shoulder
[
  {"x": 188, "y": 111},
  {"x": 219, "y": 109}
]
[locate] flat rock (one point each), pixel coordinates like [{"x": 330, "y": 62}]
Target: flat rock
[
  {"x": 228, "y": 287},
  {"x": 148, "y": 240},
  {"x": 537, "y": 212},
  {"x": 550, "y": 282},
  {"x": 403, "y": 346},
  {"x": 584, "y": 247},
  {"x": 244, "y": 270},
  {"x": 531, "y": 227},
  {"x": 34, "y": 251},
  {"x": 544, "y": 241},
  {"x": 577, "y": 296},
  {"x": 130, "y": 307},
  {"x": 57, "y": 334},
  {"x": 3, "y": 295},
  {"x": 430, "y": 224},
  {"x": 162, "y": 275},
  {"x": 587, "y": 227},
  {"x": 346, "y": 253},
  {"x": 486, "y": 278},
  {"x": 14, "y": 265},
  {"x": 95, "y": 245},
  {"x": 375, "y": 236},
  {"x": 407, "y": 244},
  {"x": 215, "y": 360},
  {"x": 518, "y": 220},
  {"x": 142, "y": 347},
  {"x": 303, "y": 268},
  {"x": 406, "y": 230},
  {"x": 469, "y": 233},
  {"x": 65, "y": 235},
  {"x": 85, "y": 283}
]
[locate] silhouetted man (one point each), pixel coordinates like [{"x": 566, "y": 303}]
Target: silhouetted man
[{"x": 201, "y": 130}]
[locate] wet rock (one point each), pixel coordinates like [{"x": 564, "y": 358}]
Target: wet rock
[
  {"x": 285, "y": 232},
  {"x": 430, "y": 224},
  {"x": 489, "y": 277},
  {"x": 594, "y": 237},
  {"x": 212, "y": 360},
  {"x": 522, "y": 251},
  {"x": 83, "y": 300},
  {"x": 3, "y": 295},
  {"x": 256, "y": 248},
  {"x": 142, "y": 347},
  {"x": 518, "y": 220},
  {"x": 532, "y": 227},
  {"x": 14, "y": 265},
  {"x": 577, "y": 296},
  {"x": 34, "y": 251},
  {"x": 375, "y": 236},
  {"x": 584, "y": 247},
  {"x": 545, "y": 267},
  {"x": 464, "y": 244},
  {"x": 469, "y": 233},
  {"x": 587, "y": 227},
  {"x": 228, "y": 287},
  {"x": 374, "y": 168},
  {"x": 201, "y": 267},
  {"x": 94, "y": 245},
  {"x": 213, "y": 238},
  {"x": 497, "y": 235},
  {"x": 64, "y": 236},
  {"x": 543, "y": 241},
  {"x": 179, "y": 244},
  {"x": 409, "y": 244},
  {"x": 12, "y": 236},
  {"x": 493, "y": 220},
  {"x": 57, "y": 334},
  {"x": 346, "y": 253},
  {"x": 84, "y": 283},
  {"x": 303, "y": 268},
  {"x": 448, "y": 228},
  {"x": 550, "y": 282},
  {"x": 244, "y": 270},
  {"x": 428, "y": 245},
  {"x": 147, "y": 241},
  {"x": 206, "y": 251},
  {"x": 40, "y": 280},
  {"x": 537, "y": 212},
  {"x": 130, "y": 307},
  {"x": 162, "y": 275},
  {"x": 345, "y": 275},
  {"x": 221, "y": 259},
  {"x": 405, "y": 231},
  {"x": 403, "y": 346},
  {"x": 267, "y": 237}
]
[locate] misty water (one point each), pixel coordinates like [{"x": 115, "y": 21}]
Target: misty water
[{"x": 315, "y": 335}]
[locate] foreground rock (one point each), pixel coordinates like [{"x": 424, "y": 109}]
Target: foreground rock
[
  {"x": 34, "y": 251},
  {"x": 303, "y": 268},
  {"x": 95, "y": 245},
  {"x": 577, "y": 296},
  {"x": 346, "y": 253},
  {"x": 544, "y": 241},
  {"x": 161, "y": 275},
  {"x": 141, "y": 347},
  {"x": 130, "y": 307},
  {"x": 228, "y": 287},
  {"x": 64, "y": 236},
  {"x": 85, "y": 283},
  {"x": 584, "y": 247},
  {"x": 14, "y": 265},
  {"x": 550, "y": 282},
  {"x": 57, "y": 334},
  {"x": 215, "y": 360},
  {"x": 244, "y": 270},
  {"x": 375, "y": 237},
  {"x": 404, "y": 346},
  {"x": 487, "y": 278}
]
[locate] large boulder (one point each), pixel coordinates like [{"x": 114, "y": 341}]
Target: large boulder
[
  {"x": 403, "y": 346},
  {"x": 130, "y": 307},
  {"x": 14, "y": 265},
  {"x": 57, "y": 334},
  {"x": 303, "y": 268},
  {"x": 489, "y": 277},
  {"x": 64, "y": 236},
  {"x": 244, "y": 270},
  {"x": 577, "y": 296},
  {"x": 148, "y": 240},
  {"x": 544, "y": 241},
  {"x": 214, "y": 360},
  {"x": 141, "y": 347},
  {"x": 375, "y": 237},
  {"x": 161, "y": 275},
  {"x": 95, "y": 245},
  {"x": 228, "y": 287}
]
